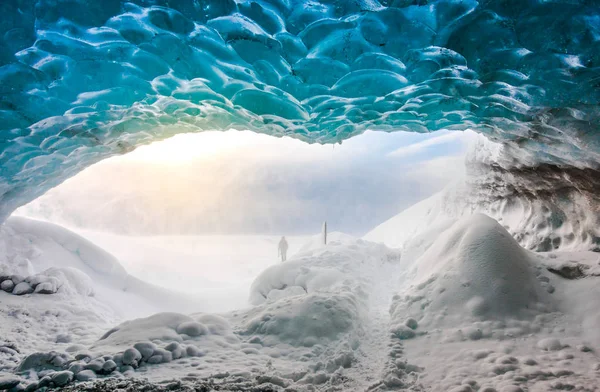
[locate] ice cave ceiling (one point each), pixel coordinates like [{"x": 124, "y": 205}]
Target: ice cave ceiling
[{"x": 81, "y": 80}]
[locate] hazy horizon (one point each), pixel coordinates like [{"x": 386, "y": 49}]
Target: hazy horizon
[{"x": 246, "y": 183}]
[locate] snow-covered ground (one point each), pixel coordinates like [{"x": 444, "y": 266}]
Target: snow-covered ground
[
  {"x": 217, "y": 268},
  {"x": 461, "y": 306}
]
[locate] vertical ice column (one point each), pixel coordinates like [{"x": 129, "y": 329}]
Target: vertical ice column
[{"x": 324, "y": 232}]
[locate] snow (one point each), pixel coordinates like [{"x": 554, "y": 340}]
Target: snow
[
  {"x": 459, "y": 306},
  {"x": 488, "y": 310},
  {"x": 219, "y": 267},
  {"x": 543, "y": 208}
]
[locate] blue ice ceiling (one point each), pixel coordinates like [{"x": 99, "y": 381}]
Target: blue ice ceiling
[{"x": 81, "y": 80}]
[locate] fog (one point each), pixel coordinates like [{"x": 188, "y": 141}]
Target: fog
[{"x": 247, "y": 183}]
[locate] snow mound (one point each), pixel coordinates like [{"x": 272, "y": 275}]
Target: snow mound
[
  {"x": 305, "y": 320},
  {"x": 291, "y": 279},
  {"x": 71, "y": 280},
  {"x": 474, "y": 270},
  {"x": 314, "y": 297},
  {"x": 164, "y": 328}
]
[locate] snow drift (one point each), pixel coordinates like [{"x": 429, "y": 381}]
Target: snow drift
[{"x": 474, "y": 270}]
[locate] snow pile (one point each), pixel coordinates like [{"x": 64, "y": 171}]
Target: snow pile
[
  {"x": 476, "y": 267},
  {"x": 306, "y": 320},
  {"x": 319, "y": 294},
  {"x": 49, "y": 281},
  {"x": 479, "y": 312},
  {"x": 475, "y": 272}
]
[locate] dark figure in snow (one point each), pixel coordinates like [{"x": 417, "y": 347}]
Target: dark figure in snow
[{"x": 283, "y": 247}]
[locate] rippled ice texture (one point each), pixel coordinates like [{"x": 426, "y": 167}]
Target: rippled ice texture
[{"x": 81, "y": 80}]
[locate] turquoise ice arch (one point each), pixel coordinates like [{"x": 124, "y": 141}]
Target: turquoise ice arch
[{"x": 81, "y": 80}]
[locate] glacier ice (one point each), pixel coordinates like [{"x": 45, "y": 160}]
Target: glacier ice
[{"x": 81, "y": 80}]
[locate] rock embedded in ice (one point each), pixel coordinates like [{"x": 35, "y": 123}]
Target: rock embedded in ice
[
  {"x": 17, "y": 279},
  {"x": 132, "y": 357},
  {"x": 83, "y": 355},
  {"x": 412, "y": 323},
  {"x": 167, "y": 356},
  {"x": 473, "y": 333},
  {"x": 62, "y": 378},
  {"x": 109, "y": 367},
  {"x": 76, "y": 367},
  {"x": 584, "y": 348},
  {"x": 38, "y": 360},
  {"x": 44, "y": 381},
  {"x": 155, "y": 359},
  {"x": 7, "y": 286},
  {"x": 63, "y": 338},
  {"x": 85, "y": 375},
  {"x": 175, "y": 349},
  {"x": 45, "y": 288},
  {"x": 403, "y": 332},
  {"x": 126, "y": 370},
  {"x": 22, "y": 289},
  {"x": 530, "y": 361},
  {"x": 393, "y": 382},
  {"x": 8, "y": 381},
  {"x": 35, "y": 280},
  {"x": 95, "y": 365},
  {"x": 146, "y": 349},
  {"x": 31, "y": 387},
  {"x": 550, "y": 344},
  {"x": 193, "y": 351}
]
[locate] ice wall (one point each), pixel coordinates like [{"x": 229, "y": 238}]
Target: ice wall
[{"x": 81, "y": 80}]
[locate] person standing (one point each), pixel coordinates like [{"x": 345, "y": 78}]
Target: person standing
[{"x": 283, "y": 247}]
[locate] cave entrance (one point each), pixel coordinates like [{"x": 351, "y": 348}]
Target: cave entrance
[{"x": 203, "y": 213}]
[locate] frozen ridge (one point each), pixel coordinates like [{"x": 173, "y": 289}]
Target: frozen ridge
[
  {"x": 472, "y": 311},
  {"x": 82, "y": 80}
]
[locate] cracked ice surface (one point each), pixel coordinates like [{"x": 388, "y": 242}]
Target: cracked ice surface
[{"x": 82, "y": 80}]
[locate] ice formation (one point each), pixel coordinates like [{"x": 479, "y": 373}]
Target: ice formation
[
  {"x": 82, "y": 80},
  {"x": 544, "y": 207}
]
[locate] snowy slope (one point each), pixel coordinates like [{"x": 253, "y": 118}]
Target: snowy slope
[
  {"x": 479, "y": 312},
  {"x": 34, "y": 246},
  {"x": 467, "y": 309},
  {"x": 217, "y": 268},
  {"x": 568, "y": 221},
  {"x": 430, "y": 215},
  {"x": 87, "y": 291}
]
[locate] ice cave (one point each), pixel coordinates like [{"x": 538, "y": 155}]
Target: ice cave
[{"x": 490, "y": 284}]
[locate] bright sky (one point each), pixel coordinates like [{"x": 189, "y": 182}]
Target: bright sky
[{"x": 243, "y": 182}]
